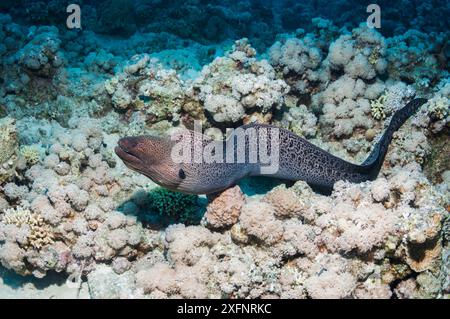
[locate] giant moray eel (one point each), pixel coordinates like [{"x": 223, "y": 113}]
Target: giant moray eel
[{"x": 298, "y": 160}]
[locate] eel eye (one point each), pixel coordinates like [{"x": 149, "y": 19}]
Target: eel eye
[{"x": 181, "y": 174}]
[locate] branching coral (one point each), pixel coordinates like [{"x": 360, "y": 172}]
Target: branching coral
[
  {"x": 38, "y": 232},
  {"x": 377, "y": 108},
  {"x": 31, "y": 154}
]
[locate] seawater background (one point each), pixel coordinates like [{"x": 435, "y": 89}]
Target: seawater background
[
  {"x": 216, "y": 21},
  {"x": 120, "y": 27}
]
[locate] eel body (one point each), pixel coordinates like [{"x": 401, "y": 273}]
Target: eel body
[{"x": 298, "y": 159}]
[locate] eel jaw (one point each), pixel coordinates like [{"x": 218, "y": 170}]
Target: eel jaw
[{"x": 126, "y": 154}]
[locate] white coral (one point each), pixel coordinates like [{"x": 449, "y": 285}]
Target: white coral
[
  {"x": 236, "y": 83},
  {"x": 360, "y": 54}
]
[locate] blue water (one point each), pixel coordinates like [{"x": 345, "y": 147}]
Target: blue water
[{"x": 216, "y": 21}]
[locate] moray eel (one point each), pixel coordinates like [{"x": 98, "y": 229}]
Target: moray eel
[{"x": 298, "y": 160}]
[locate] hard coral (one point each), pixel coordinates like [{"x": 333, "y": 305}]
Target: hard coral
[
  {"x": 377, "y": 108},
  {"x": 285, "y": 202},
  {"x": 231, "y": 86},
  {"x": 258, "y": 221},
  {"x": 361, "y": 54},
  {"x": 145, "y": 85},
  {"x": 169, "y": 204},
  {"x": 41, "y": 55},
  {"x": 38, "y": 232},
  {"x": 31, "y": 154},
  {"x": 439, "y": 107},
  {"x": 224, "y": 210}
]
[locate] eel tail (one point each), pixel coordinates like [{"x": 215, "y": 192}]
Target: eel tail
[{"x": 375, "y": 159}]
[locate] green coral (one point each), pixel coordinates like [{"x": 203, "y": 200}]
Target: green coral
[
  {"x": 173, "y": 205},
  {"x": 378, "y": 108}
]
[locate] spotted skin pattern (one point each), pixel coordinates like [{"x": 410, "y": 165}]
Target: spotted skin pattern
[{"x": 298, "y": 160}]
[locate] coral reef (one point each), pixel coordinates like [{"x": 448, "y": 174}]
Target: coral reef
[
  {"x": 419, "y": 47},
  {"x": 360, "y": 54},
  {"x": 157, "y": 91},
  {"x": 70, "y": 207},
  {"x": 68, "y": 192},
  {"x": 294, "y": 243},
  {"x": 233, "y": 85}
]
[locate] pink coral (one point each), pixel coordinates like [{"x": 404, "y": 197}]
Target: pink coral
[
  {"x": 224, "y": 210},
  {"x": 285, "y": 202},
  {"x": 258, "y": 220}
]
